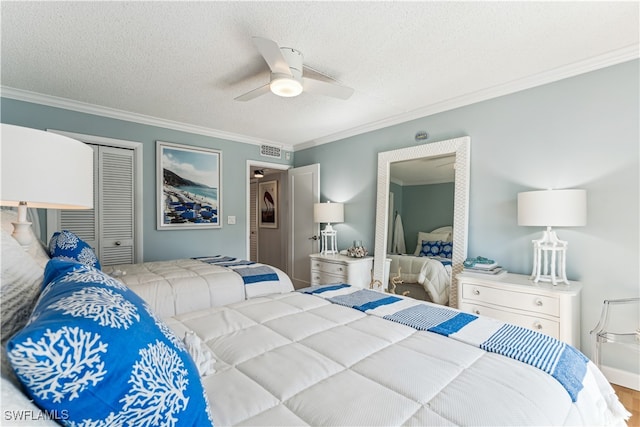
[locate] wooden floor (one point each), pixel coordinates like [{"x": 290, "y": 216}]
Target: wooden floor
[{"x": 631, "y": 400}]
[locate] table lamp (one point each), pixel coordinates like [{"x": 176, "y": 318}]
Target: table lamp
[
  {"x": 328, "y": 213},
  {"x": 551, "y": 208},
  {"x": 43, "y": 170}
]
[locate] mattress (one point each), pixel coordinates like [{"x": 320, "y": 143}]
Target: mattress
[
  {"x": 184, "y": 285},
  {"x": 298, "y": 359}
]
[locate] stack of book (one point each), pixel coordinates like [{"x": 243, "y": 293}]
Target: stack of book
[{"x": 487, "y": 267}]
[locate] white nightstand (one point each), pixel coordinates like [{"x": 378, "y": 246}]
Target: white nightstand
[
  {"x": 514, "y": 298},
  {"x": 326, "y": 269}
]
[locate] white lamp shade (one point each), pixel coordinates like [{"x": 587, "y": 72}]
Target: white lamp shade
[
  {"x": 328, "y": 212},
  {"x": 553, "y": 208},
  {"x": 44, "y": 169}
]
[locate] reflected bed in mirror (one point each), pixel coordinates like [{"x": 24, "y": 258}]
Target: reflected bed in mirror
[{"x": 437, "y": 171}]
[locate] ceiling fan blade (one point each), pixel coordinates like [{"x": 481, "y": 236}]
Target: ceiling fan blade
[
  {"x": 327, "y": 89},
  {"x": 254, "y": 93},
  {"x": 271, "y": 53}
]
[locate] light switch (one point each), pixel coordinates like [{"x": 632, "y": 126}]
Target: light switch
[{"x": 231, "y": 219}]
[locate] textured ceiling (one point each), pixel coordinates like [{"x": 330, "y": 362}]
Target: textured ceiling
[{"x": 185, "y": 62}]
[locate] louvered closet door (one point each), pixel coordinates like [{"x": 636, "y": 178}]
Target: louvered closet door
[
  {"x": 109, "y": 226},
  {"x": 116, "y": 205},
  {"x": 84, "y": 222}
]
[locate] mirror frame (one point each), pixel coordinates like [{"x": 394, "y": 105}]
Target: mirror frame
[{"x": 459, "y": 147}]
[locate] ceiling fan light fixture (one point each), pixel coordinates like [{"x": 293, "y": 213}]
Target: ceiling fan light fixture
[
  {"x": 258, "y": 173},
  {"x": 285, "y": 86}
]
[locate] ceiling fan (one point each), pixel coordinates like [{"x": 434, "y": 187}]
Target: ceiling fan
[{"x": 286, "y": 75}]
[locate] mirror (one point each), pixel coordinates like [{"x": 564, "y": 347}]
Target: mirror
[{"x": 457, "y": 147}]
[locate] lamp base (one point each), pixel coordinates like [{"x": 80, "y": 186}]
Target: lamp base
[
  {"x": 549, "y": 259},
  {"x": 21, "y": 230},
  {"x": 329, "y": 246},
  {"x": 22, "y": 233}
]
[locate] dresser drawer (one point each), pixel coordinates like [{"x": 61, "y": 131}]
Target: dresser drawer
[
  {"x": 518, "y": 300},
  {"x": 329, "y": 267},
  {"x": 546, "y": 326},
  {"x": 323, "y": 278}
]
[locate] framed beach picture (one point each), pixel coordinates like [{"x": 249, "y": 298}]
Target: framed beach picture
[
  {"x": 189, "y": 186},
  {"x": 268, "y": 204}
]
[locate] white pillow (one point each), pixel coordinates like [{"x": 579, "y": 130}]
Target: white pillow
[
  {"x": 446, "y": 229},
  {"x": 429, "y": 237},
  {"x": 19, "y": 285}
]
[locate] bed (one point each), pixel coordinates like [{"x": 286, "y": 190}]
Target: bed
[
  {"x": 92, "y": 352},
  {"x": 184, "y": 285},
  {"x": 428, "y": 267}
]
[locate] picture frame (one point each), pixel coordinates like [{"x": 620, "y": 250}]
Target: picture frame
[
  {"x": 189, "y": 187},
  {"x": 268, "y": 209}
]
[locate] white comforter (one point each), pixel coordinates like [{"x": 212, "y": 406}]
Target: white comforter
[
  {"x": 184, "y": 285},
  {"x": 430, "y": 273},
  {"x": 297, "y": 359}
]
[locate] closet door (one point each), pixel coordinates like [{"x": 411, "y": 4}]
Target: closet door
[
  {"x": 84, "y": 222},
  {"x": 109, "y": 226},
  {"x": 116, "y": 201}
]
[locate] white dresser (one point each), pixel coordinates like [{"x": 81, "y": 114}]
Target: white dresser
[
  {"x": 514, "y": 298},
  {"x": 326, "y": 269}
]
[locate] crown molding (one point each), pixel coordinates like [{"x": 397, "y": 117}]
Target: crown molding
[
  {"x": 614, "y": 57},
  {"x": 83, "y": 107}
]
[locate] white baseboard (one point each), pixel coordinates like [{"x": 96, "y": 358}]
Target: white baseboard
[{"x": 623, "y": 378}]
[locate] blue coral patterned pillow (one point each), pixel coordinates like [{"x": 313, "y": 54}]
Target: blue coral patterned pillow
[
  {"x": 446, "y": 250},
  {"x": 430, "y": 248},
  {"x": 94, "y": 353},
  {"x": 67, "y": 245}
]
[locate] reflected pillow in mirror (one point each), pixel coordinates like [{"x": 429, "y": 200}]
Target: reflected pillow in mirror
[
  {"x": 431, "y": 248},
  {"x": 429, "y": 237},
  {"x": 446, "y": 251}
]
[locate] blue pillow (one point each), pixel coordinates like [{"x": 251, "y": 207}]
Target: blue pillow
[
  {"x": 94, "y": 353},
  {"x": 446, "y": 250},
  {"x": 67, "y": 245},
  {"x": 430, "y": 248}
]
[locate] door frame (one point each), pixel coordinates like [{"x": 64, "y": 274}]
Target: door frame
[
  {"x": 262, "y": 164},
  {"x": 52, "y": 214}
]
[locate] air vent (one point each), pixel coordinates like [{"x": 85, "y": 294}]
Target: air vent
[{"x": 271, "y": 151}]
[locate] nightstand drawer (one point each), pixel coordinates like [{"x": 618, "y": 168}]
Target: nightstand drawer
[
  {"x": 328, "y": 267},
  {"x": 322, "y": 278},
  {"x": 546, "y": 326},
  {"x": 518, "y": 300}
]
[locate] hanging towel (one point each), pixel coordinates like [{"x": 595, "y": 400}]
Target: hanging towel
[{"x": 398, "y": 237}]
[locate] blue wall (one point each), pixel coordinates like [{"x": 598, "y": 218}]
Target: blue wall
[
  {"x": 581, "y": 132},
  {"x": 422, "y": 208},
  {"x": 425, "y": 208},
  {"x": 160, "y": 245}
]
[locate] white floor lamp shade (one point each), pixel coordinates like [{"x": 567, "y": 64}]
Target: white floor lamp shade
[
  {"x": 43, "y": 170},
  {"x": 551, "y": 208},
  {"x": 328, "y": 213}
]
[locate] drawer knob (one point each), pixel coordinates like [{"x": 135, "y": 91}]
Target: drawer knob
[
  {"x": 537, "y": 325},
  {"x": 340, "y": 269},
  {"x": 476, "y": 292},
  {"x": 476, "y": 311},
  {"x": 539, "y": 302}
]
